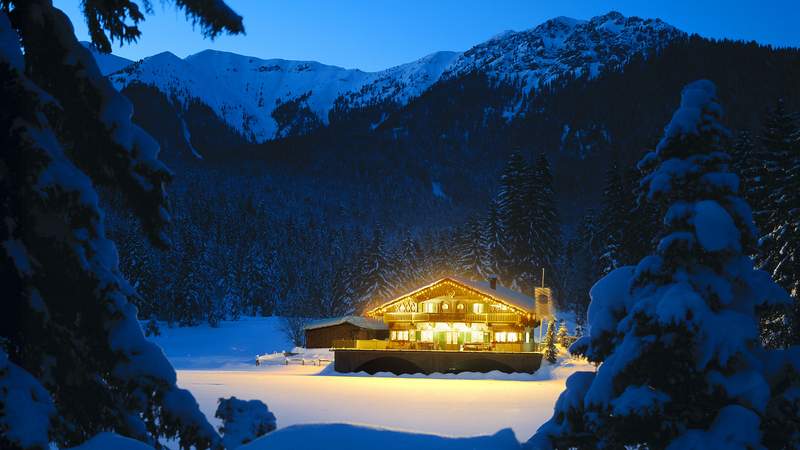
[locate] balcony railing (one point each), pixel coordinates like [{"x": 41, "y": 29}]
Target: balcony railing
[{"x": 452, "y": 317}]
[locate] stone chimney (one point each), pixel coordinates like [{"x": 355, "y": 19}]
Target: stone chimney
[{"x": 493, "y": 281}]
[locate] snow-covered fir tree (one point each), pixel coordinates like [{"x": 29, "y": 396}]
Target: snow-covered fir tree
[
  {"x": 243, "y": 421},
  {"x": 581, "y": 265},
  {"x": 676, "y": 337},
  {"x": 74, "y": 361},
  {"x": 492, "y": 239},
  {"x": 408, "y": 263},
  {"x": 615, "y": 218},
  {"x": 472, "y": 261},
  {"x": 514, "y": 213},
  {"x": 375, "y": 279},
  {"x": 562, "y": 336},
  {"x": 544, "y": 228},
  {"x": 549, "y": 343}
]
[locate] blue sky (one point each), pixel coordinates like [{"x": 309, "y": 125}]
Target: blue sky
[{"x": 376, "y": 34}]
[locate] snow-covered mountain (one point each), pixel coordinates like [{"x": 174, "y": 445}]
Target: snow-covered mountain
[
  {"x": 245, "y": 91},
  {"x": 267, "y": 99},
  {"x": 563, "y": 47}
]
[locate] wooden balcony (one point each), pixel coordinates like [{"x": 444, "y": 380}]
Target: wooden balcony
[{"x": 413, "y": 317}]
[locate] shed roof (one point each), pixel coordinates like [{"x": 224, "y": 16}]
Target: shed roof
[{"x": 361, "y": 322}]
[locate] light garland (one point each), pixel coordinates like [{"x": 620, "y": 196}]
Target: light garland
[{"x": 446, "y": 282}]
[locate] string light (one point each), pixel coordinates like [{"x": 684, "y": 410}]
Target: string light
[{"x": 420, "y": 295}]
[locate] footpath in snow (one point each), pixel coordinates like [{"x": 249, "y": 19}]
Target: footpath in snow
[{"x": 500, "y": 409}]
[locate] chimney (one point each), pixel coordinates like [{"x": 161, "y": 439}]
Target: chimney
[{"x": 493, "y": 281}]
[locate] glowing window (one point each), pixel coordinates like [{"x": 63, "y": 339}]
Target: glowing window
[
  {"x": 512, "y": 337},
  {"x": 398, "y": 335},
  {"x": 476, "y": 336},
  {"x": 445, "y": 306},
  {"x": 430, "y": 307},
  {"x": 477, "y": 308},
  {"x": 500, "y": 336},
  {"x": 426, "y": 336},
  {"x": 460, "y": 307}
]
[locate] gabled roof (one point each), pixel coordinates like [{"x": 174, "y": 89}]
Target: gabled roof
[
  {"x": 500, "y": 294},
  {"x": 361, "y": 322}
]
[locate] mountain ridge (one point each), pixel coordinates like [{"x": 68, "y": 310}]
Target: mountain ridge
[{"x": 246, "y": 92}]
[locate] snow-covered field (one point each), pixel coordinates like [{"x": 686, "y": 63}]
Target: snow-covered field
[{"x": 220, "y": 362}]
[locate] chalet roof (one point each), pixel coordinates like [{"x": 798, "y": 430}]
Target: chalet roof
[
  {"x": 361, "y": 322},
  {"x": 500, "y": 293}
]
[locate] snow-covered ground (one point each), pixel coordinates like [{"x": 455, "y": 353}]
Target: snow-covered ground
[
  {"x": 231, "y": 345},
  {"x": 220, "y": 362}
]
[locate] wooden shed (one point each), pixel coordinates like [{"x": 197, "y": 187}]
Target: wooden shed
[{"x": 346, "y": 330}]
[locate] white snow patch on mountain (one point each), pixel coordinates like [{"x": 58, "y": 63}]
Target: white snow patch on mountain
[
  {"x": 563, "y": 46},
  {"x": 244, "y": 91}
]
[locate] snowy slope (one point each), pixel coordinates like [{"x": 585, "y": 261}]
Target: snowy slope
[
  {"x": 563, "y": 47},
  {"x": 244, "y": 91},
  {"x": 337, "y": 436},
  {"x": 247, "y": 93},
  {"x": 231, "y": 345}
]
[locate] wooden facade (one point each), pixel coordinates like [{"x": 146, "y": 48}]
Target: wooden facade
[
  {"x": 325, "y": 334},
  {"x": 454, "y": 314}
]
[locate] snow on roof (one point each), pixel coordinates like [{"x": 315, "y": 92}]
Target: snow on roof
[
  {"x": 500, "y": 293},
  {"x": 361, "y": 322}
]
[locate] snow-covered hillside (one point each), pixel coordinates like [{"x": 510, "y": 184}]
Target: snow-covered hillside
[
  {"x": 245, "y": 91},
  {"x": 563, "y": 47},
  {"x": 268, "y": 99}
]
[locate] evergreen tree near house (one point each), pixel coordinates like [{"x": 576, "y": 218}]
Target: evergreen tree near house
[
  {"x": 470, "y": 250},
  {"x": 376, "y": 279},
  {"x": 677, "y": 336},
  {"x": 409, "y": 263},
  {"x": 514, "y": 212},
  {"x": 615, "y": 217},
  {"x": 562, "y": 336},
  {"x": 644, "y": 224},
  {"x": 492, "y": 240},
  {"x": 243, "y": 420},
  {"x": 544, "y": 232},
  {"x": 581, "y": 265},
  {"x": 74, "y": 361},
  {"x": 549, "y": 343}
]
